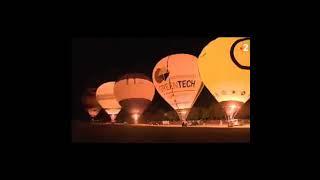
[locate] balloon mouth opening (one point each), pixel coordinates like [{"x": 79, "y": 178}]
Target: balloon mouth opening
[
  {"x": 135, "y": 118},
  {"x": 183, "y": 114},
  {"x": 231, "y": 108},
  {"x": 113, "y": 117},
  {"x": 93, "y": 112}
]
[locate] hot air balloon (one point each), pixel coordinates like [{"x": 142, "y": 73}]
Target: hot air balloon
[
  {"x": 90, "y": 103},
  {"x": 224, "y": 66},
  {"x": 107, "y": 100},
  {"x": 177, "y": 80},
  {"x": 134, "y": 93}
]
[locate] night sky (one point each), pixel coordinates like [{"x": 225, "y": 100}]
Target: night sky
[{"x": 99, "y": 60}]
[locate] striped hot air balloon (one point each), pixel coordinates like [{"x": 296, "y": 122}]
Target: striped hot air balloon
[
  {"x": 134, "y": 92},
  {"x": 107, "y": 100}
]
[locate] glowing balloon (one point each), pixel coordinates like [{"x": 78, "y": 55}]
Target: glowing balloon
[
  {"x": 224, "y": 66},
  {"x": 134, "y": 93},
  {"x": 90, "y": 103},
  {"x": 177, "y": 80},
  {"x": 107, "y": 100}
]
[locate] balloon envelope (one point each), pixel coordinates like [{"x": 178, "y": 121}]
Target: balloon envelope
[
  {"x": 107, "y": 100},
  {"x": 224, "y": 66},
  {"x": 90, "y": 103},
  {"x": 177, "y": 80},
  {"x": 134, "y": 92}
]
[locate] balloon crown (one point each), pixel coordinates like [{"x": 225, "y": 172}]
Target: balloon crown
[{"x": 134, "y": 76}]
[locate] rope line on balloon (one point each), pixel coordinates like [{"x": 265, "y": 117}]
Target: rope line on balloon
[
  {"x": 127, "y": 77},
  {"x": 235, "y": 113},
  {"x": 200, "y": 90},
  {"x": 174, "y": 100}
]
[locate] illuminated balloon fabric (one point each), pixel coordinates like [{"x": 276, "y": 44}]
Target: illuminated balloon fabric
[
  {"x": 177, "y": 80},
  {"x": 134, "y": 93},
  {"x": 94, "y": 111},
  {"x": 90, "y": 103},
  {"x": 224, "y": 66},
  {"x": 107, "y": 100}
]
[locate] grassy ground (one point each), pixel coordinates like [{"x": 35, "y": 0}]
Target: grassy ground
[{"x": 88, "y": 132}]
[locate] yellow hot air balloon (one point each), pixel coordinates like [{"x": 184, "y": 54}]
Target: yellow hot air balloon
[
  {"x": 107, "y": 100},
  {"x": 224, "y": 66},
  {"x": 134, "y": 92},
  {"x": 177, "y": 80}
]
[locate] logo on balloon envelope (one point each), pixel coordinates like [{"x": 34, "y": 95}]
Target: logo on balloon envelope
[
  {"x": 161, "y": 74},
  {"x": 177, "y": 84},
  {"x": 244, "y": 48}
]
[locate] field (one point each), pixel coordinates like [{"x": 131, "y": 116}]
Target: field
[{"x": 107, "y": 133}]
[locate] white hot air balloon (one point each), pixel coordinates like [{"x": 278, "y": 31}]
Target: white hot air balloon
[
  {"x": 107, "y": 100},
  {"x": 224, "y": 66},
  {"x": 134, "y": 93},
  {"x": 177, "y": 80}
]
